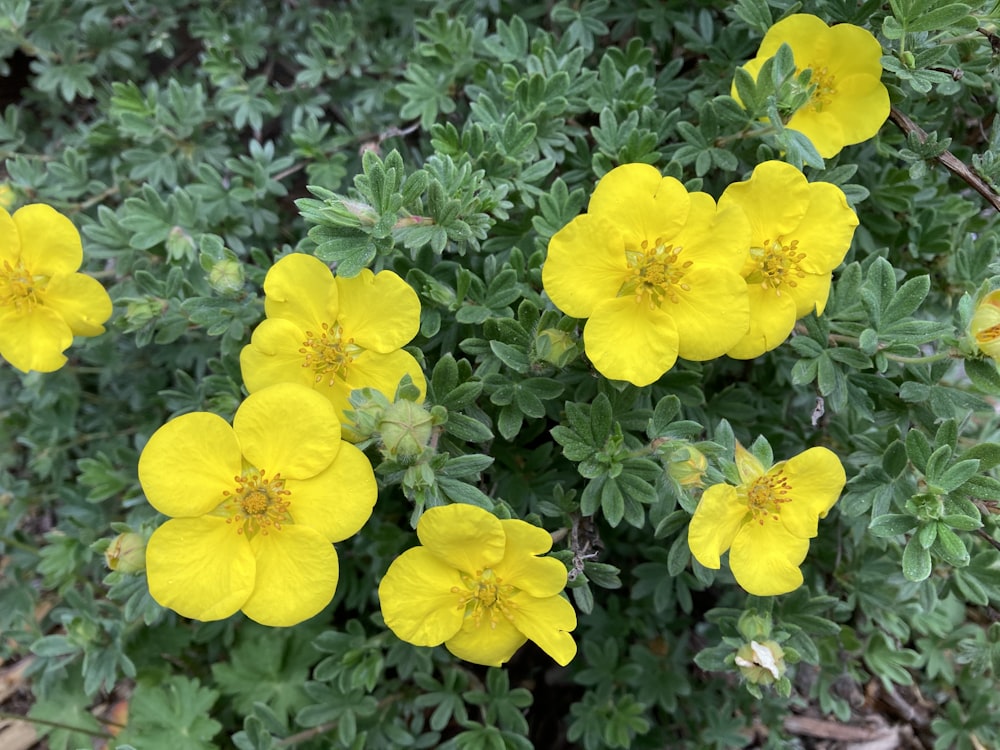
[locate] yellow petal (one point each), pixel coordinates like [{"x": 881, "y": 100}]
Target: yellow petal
[
  {"x": 817, "y": 477},
  {"x": 800, "y": 31},
  {"x": 383, "y": 373},
  {"x": 585, "y": 265},
  {"x": 465, "y": 537},
  {"x": 810, "y": 293},
  {"x": 188, "y": 463},
  {"x": 715, "y": 523},
  {"x": 641, "y": 202},
  {"x": 772, "y": 318},
  {"x": 714, "y": 237},
  {"x": 548, "y": 622},
  {"x": 50, "y": 243},
  {"x": 765, "y": 559},
  {"x": 823, "y": 129},
  {"x": 34, "y": 340},
  {"x": 200, "y": 567},
  {"x": 774, "y": 199},
  {"x": 628, "y": 340},
  {"x": 849, "y": 50},
  {"x": 338, "y": 501},
  {"x": 826, "y": 229},
  {"x": 861, "y": 107},
  {"x": 273, "y": 356},
  {"x": 10, "y": 243},
  {"x": 486, "y": 645},
  {"x": 380, "y": 312},
  {"x": 417, "y": 601},
  {"x": 300, "y": 288},
  {"x": 81, "y": 301},
  {"x": 538, "y": 576},
  {"x": 297, "y": 573},
  {"x": 288, "y": 429},
  {"x": 712, "y": 315}
]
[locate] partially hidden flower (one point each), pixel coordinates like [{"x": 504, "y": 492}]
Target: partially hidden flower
[
  {"x": 849, "y": 103},
  {"x": 655, "y": 270},
  {"x": 478, "y": 586},
  {"x": 44, "y": 302},
  {"x": 333, "y": 334},
  {"x": 984, "y": 326},
  {"x": 766, "y": 521},
  {"x": 799, "y": 232},
  {"x": 255, "y": 507}
]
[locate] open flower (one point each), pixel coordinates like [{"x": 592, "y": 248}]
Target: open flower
[
  {"x": 478, "y": 586},
  {"x": 44, "y": 302},
  {"x": 849, "y": 103},
  {"x": 657, "y": 272},
  {"x": 255, "y": 507},
  {"x": 333, "y": 334},
  {"x": 799, "y": 232},
  {"x": 984, "y": 327},
  {"x": 767, "y": 521}
]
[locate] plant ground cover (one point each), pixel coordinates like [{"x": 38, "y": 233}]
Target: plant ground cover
[{"x": 776, "y": 523}]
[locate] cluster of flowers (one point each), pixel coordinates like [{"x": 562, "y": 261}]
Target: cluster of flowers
[{"x": 661, "y": 273}]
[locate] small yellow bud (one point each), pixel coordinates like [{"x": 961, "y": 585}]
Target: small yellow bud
[
  {"x": 555, "y": 347},
  {"x": 126, "y": 553},
  {"x": 7, "y": 196},
  {"x": 226, "y": 276},
  {"x": 687, "y": 466}
]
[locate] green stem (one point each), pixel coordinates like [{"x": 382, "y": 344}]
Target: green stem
[{"x": 937, "y": 357}]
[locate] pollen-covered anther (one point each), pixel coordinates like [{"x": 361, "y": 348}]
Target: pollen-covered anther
[
  {"x": 486, "y": 597},
  {"x": 656, "y": 273},
  {"x": 766, "y": 495},
  {"x": 328, "y": 353},
  {"x": 778, "y": 264},
  {"x": 258, "y": 504},
  {"x": 17, "y": 287}
]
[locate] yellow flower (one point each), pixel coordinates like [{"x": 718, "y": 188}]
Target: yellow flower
[
  {"x": 799, "y": 232},
  {"x": 768, "y": 519},
  {"x": 849, "y": 103},
  {"x": 984, "y": 326},
  {"x": 333, "y": 334},
  {"x": 477, "y": 586},
  {"x": 254, "y": 507},
  {"x": 657, "y": 272},
  {"x": 44, "y": 302}
]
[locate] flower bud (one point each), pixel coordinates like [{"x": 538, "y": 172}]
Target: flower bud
[
  {"x": 555, "y": 347},
  {"x": 180, "y": 245},
  {"x": 761, "y": 663},
  {"x": 126, "y": 553},
  {"x": 406, "y": 428},
  {"x": 7, "y": 196},
  {"x": 138, "y": 312},
  {"x": 226, "y": 276},
  {"x": 687, "y": 466},
  {"x": 984, "y": 327}
]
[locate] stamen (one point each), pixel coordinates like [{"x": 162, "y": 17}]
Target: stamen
[
  {"x": 778, "y": 265},
  {"x": 656, "y": 273},
  {"x": 328, "y": 353},
  {"x": 258, "y": 504},
  {"x": 766, "y": 495},
  {"x": 486, "y": 598},
  {"x": 18, "y": 288}
]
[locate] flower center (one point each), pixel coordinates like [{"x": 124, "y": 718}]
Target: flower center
[
  {"x": 328, "y": 353},
  {"x": 988, "y": 335},
  {"x": 18, "y": 288},
  {"x": 777, "y": 265},
  {"x": 766, "y": 495},
  {"x": 824, "y": 88},
  {"x": 258, "y": 504},
  {"x": 486, "y": 596},
  {"x": 655, "y": 273}
]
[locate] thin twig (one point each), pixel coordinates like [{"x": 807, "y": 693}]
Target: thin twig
[{"x": 948, "y": 160}]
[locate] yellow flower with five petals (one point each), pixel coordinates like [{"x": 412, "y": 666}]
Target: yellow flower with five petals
[
  {"x": 799, "y": 232},
  {"x": 766, "y": 521},
  {"x": 333, "y": 334},
  {"x": 44, "y": 302},
  {"x": 255, "y": 507},
  {"x": 984, "y": 326},
  {"x": 655, "y": 269},
  {"x": 849, "y": 103},
  {"x": 477, "y": 585}
]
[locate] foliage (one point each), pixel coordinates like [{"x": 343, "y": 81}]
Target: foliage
[{"x": 194, "y": 144}]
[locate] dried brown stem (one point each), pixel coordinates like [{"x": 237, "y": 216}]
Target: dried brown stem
[{"x": 948, "y": 160}]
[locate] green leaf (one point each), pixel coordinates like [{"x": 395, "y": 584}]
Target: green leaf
[
  {"x": 172, "y": 715},
  {"x": 916, "y": 561},
  {"x": 950, "y": 547},
  {"x": 890, "y": 524},
  {"x": 937, "y": 18}
]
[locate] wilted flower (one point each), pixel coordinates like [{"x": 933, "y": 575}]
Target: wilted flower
[
  {"x": 333, "y": 334},
  {"x": 254, "y": 507},
  {"x": 799, "y": 232},
  {"x": 44, "y": 302},
  {"x": 767, "y": 521},
  {"x": 478, "y": 586},
  {"x": 655, "y": 269},
  {"x": 848, "y": 102}
]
